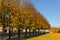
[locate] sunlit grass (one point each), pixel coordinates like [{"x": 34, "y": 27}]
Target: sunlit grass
[{"x": 53, "y": 36}]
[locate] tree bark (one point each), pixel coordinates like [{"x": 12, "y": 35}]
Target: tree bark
[
  {"x": 4, "y": 28},
  {"x": 9, "y": 33},
  {"x": 12, "y": 29},
  {"x": 29, "y": 32},
  {"x": 33, "y": 33},
  {"x": 26, "y": 32},
  {"x": 38, "y": 31},
  {"x": 18, "y": 32}
]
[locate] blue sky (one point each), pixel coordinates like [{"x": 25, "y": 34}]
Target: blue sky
[{"x": 50, "y": 9}]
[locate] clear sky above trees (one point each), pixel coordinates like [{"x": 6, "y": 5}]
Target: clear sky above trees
[{"x": 50, "y": 9}]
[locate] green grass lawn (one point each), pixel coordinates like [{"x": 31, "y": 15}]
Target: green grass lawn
[{"x": 53, "y": 36}]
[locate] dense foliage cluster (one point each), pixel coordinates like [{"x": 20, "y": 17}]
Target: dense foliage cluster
[{"x": 21, "y": 14}]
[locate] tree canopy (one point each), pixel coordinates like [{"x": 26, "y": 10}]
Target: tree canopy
[{"x": 22, "y": 14}]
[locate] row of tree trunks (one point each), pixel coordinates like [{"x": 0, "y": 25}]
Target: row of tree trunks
[
  {"x": 11, "y": 32},
  {"x": 19, "y": 33},
  {"x": 33, "y": 33}
]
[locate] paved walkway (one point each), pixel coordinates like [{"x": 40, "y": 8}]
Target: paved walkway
[{"x": 4, "y": 38}]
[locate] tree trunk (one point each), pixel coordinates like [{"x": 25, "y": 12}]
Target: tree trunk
[
  {"x": 4, "y": 28},
  {"x": 38, "y": 31},
  {"x": 9, "y": 33},
  {"x": 12, "y": 29},
  {"x": 29, "y": 32},
  {"x": 18, "y": 32},
  {"x": 33, "y": 32},
  {"x": 26, "y": 32}
]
